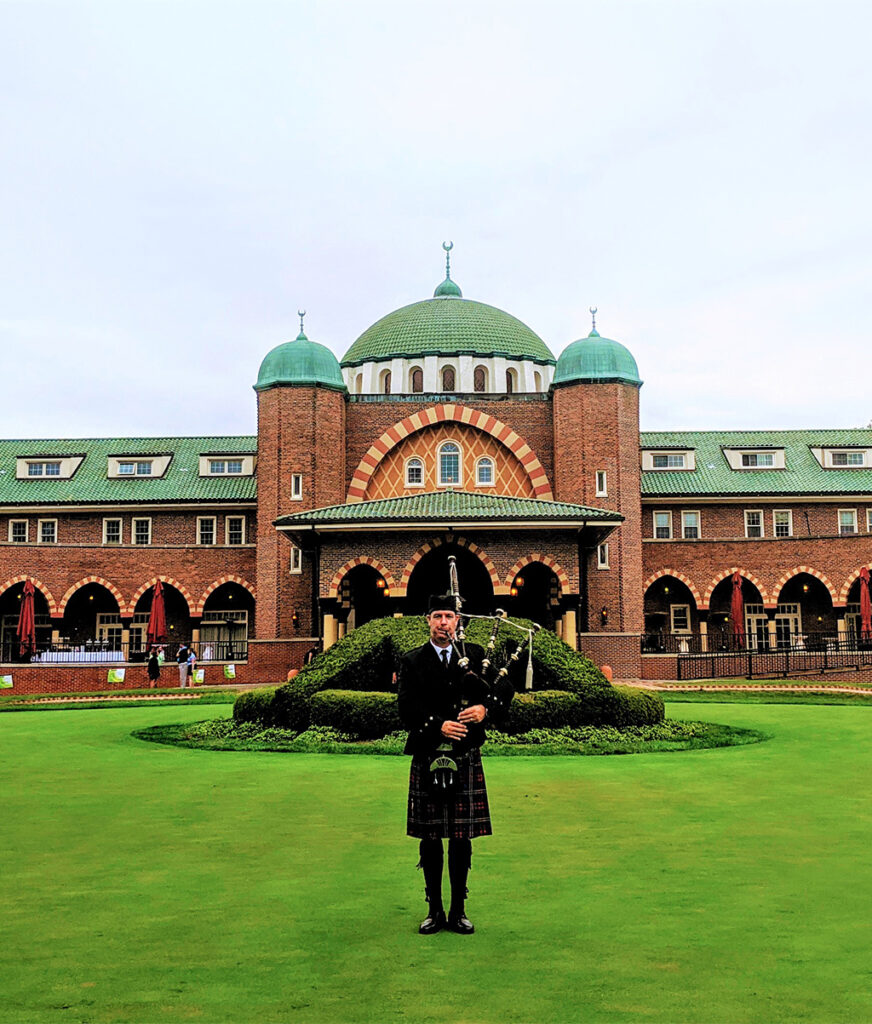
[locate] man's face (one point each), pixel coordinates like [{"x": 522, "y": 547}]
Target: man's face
[{"x": 442, "y": 627}]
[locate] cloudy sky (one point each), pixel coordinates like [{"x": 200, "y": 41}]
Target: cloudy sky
[{"x": 178, "y": 178}]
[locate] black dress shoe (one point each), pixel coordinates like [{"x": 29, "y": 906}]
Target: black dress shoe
[
  {"x": 462, "y": 925},
  {"x": 432, "y": 923}
]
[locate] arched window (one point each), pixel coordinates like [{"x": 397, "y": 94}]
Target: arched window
[
  {"x": 484, "y": 472},
  {"x": 415, "y": 473},
  {"x": 449, "y": 464},
  {"x": 358, "y": 384},
  {"x": 511, "y": 381},
  {"x": 479, "y": 379},
  {"x": 416, "y": 378},
  {"x": 385, "y": 382},
  {"x": 537, "y": 380},
  {"x": 448, "y": 378}
]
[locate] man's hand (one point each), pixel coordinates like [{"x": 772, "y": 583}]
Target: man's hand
[
  {"x": 475, "y": 713},
  {"x": 454, "y": 730}
]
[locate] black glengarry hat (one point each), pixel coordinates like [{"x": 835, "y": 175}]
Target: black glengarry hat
[{"x": 441, "y": 603}]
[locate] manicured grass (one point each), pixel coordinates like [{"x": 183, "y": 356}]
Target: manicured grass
[
  {"x": 146, "y": 883},
  {"x": 114, "y": 699}
]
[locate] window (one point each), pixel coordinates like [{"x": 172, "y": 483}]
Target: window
[
  {"x": 235, "y": 529},
  {"x": 47, "y": 531},
  {"x": 221, "y": 467},
  {"x": 111, "y": 531},
  {"x": 128, "y": 468},
  {"x": 417, "y": 380},
  {"x": 667, "y": 461},
  {"x": 18, "y": 531},
  {"x": 296, "y": 486},
  {"x": 449, "y": 464},
  {"x": 479, "y": 379},
  {"x": 43, "y": 469},
  {"x": 847, "y": 520},
  {"x": 448, "y": 378},
  {"x": 690, "y": 525},
  {"x": 296, "y": 563},
  {"x": 782, "y": 522},
  {"x": 869, "y": 520},
  {"x": 358, "y": 384},
  {"x": 757, "y": 460},
  {"x": 537, "y": 380},
  {"x": 205, "y": 529},
  {"x": 484, "y": 472},
  {"x": 679, "y": 618},
  {"x": 663, "y": 525},
  {"x": 849, "y": 458},
  {"x": 601, "y": 489},
  {"x": 602, "y": 556},
  {"x": 142, "y": 531},
  {"x": 385, "y": 382},
  {"x": 414, "y": 473},
  {"x": 753, "y": 523},
  {"x": 511, "y": 381}
]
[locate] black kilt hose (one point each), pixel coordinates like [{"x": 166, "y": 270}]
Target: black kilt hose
[{"x": 429, "y": 695}]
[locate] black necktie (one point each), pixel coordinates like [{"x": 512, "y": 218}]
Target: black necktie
[{"x": 445, "y": 657}]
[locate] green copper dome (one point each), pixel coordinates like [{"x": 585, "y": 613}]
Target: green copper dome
[
  {"x": 447, "y": 325},
  {"x": 596, "y": 358},
  {"x": 300, "y": 362}
]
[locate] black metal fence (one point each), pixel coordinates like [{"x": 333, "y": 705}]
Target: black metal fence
[
  {"x": 109, "y": 653},
  {"x": 814, "y": 656}
]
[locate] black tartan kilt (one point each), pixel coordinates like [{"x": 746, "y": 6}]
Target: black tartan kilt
[{"x": 463, "y": 816}]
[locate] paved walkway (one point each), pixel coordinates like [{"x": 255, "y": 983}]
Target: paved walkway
[{"x": 665, "y": 687}]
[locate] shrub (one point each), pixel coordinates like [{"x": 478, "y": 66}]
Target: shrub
[
  {"x": 365, "y": 715},
  {"x": 254, "y": 706},
  {"x": 366, "y": 660}
]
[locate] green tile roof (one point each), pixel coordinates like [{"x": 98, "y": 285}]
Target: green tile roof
[
  {"x": 713, "y": 476},
  {"x": 90, "y": 484},
  {"x": 450, "y": 506},
  {"x": 448, "y": 325}
]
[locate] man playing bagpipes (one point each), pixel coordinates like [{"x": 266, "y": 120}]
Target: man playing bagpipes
[{"x": 444, "y": 702}]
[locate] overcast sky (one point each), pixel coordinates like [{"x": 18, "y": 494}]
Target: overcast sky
[{"x": 177, "y": 179}]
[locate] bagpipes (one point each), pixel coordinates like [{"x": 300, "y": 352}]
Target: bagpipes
[{"x": 477, "y": 687}]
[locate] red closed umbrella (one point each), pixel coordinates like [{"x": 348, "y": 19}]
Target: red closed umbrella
[
  {"x": 157, "y": 620},
  {"x": 865, "y": 605},
  {"x": 27, "y": 623},
  {"x": 737, "y": 611}
]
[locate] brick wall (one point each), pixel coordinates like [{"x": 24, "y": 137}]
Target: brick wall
[{"x": 619, "y": 650}]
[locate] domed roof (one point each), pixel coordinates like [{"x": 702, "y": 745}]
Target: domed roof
[
  {"x": 300, "y": 362},
  {"x": 596, "y": 358},
  {"x": 447, "y": 325}
]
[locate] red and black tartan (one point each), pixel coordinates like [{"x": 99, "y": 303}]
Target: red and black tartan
[{"x": 464, "y": 816}]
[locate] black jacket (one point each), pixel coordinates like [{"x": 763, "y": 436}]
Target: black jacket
[{"x": 430, "y": 695}]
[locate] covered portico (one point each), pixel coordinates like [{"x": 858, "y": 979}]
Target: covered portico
[{"x": 379, "y": 558}]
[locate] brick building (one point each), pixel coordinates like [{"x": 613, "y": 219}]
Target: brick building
[{"x": 448, "y": 428}]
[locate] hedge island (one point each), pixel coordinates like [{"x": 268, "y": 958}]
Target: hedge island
[{"x": 351, "y": 687}]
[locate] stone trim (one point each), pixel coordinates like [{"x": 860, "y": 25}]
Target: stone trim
[
  {"x": 41, "y": 587},
  {"x": 352, "y": 563},
  {"x": 231, "y": 577},
  {"x": 537, "y": 556},
  {"x": 182, "y": 589},
  {"x": 462, "y": 542},
  {"x": 691, "y": 586},
  {"x": 113, "y": 590}
]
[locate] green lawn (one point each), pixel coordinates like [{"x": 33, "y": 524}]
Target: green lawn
[{"x": 154, "y": 883}]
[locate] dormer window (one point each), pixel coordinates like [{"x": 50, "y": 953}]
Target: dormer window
[
  {"x": 848, "y": 458},
  {"x": 135, "y": 468},
  {"x": 669, "y": 461},
  {"x": 764, "y": 457},
  {"x": 758, "y": 460},
  {"x": 43, "y": 469},
  {"x": 128, "y": 467},
  {"x": 226, "y": 465},
  {"x": 219, "y": 467}
]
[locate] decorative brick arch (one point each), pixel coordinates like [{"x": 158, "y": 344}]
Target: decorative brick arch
[
  {"x": 231, "y": 577},
  {"x": 745, "y": 574},
  {"x": 182, "y": 589},
  {"x": 849, "y": 582},
  {"x": 537, "y": 556},
  {"x": 41, "y": 587},
  {"x": 113, "y": 590},
  {"x": 461, "y": 542},
  {"x": 807, "y": 569},
  {"x": 441, "y": 414},
  {"x": 691, "y": 586},
  {"x": 340, "y": 574}
]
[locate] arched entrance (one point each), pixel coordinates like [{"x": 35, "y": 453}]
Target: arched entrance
[
  {"x": 671, "y": 616},
  {"x": 227, "y": 623},
  {"x": 430, "y": 576},
  {"x": 364, "y": 594},
  {"x": 534, "y": 594},
  {"x": 805, "y": 613},
  {"x": 720, "y": 625},
  {"x": 92, "y": 618},
  {"x": 178, "y": 620},
  {"x": 10, "y": 610}
]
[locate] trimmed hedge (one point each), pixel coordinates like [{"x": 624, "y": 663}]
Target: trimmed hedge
[
  {"x": 255, "y": 706},
  {"x": 365, "y": 715},
  {"x": 569, "y": 688}
]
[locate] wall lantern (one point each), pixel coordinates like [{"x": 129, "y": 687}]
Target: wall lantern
[
  {"x": 519, "y": 581},
  {"x": 604, "y": 615},
  {"x": 90, "y": 597},
  {"x": 387, "y": 591},
  {"x": 513, "y": 591},
  {"x": 666, "y": 590},
  {"x": 380, "y": 583},
  {"x": 295, "y": 619},
  {"x": 805, "y": 588}
]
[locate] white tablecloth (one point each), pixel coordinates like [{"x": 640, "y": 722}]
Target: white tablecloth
[{"x": 80, "y": 657}]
